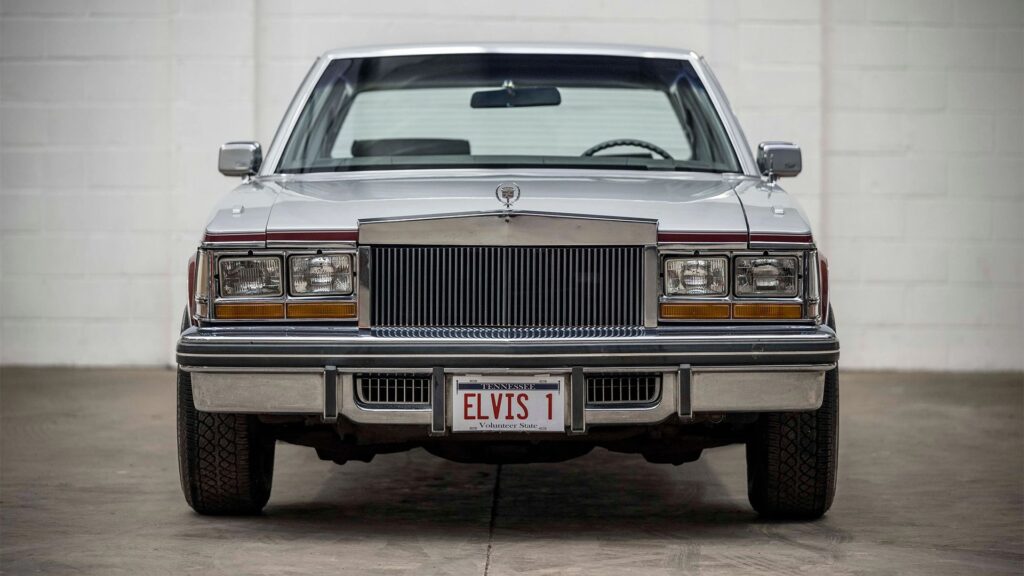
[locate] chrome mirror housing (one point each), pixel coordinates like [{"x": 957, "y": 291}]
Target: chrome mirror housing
[
  {"x": 240, "y": 158},
  {"x": 778, "y": 160}
]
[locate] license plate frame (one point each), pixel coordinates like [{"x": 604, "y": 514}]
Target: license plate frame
[{"x": 515, "y": 403}]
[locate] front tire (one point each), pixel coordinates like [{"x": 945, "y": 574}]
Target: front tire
[
  {"x": 792, "y": 458},
  {"x": 226, "y": 461}
]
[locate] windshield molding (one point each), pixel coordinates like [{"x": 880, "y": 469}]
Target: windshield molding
[{"x": 733, "y": 131}]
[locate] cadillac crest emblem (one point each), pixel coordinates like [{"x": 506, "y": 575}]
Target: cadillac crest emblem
[{"x": 507, "y": 193}]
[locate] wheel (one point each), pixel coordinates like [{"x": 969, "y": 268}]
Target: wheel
[
  {"x": 226, "y": 461},
  {"x": 792, "y": 458}
]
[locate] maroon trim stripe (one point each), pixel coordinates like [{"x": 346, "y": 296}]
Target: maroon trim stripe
[
  {"x": 307, "y": 236},
  {"x": 315, "y": 235},
  {"x": 823, "y": 271},
  {"x": 244, "y": 237},
  {"x": 191, "y": 287},
  {"x": 702, "y": 237},
  {"x": 788, "y": 238}
]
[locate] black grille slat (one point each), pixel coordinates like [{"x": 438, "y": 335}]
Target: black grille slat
[
  {"x": 393, "y": 389},
  {"x": 506, "y": 286},
  {"x": 625, "y": 389}
]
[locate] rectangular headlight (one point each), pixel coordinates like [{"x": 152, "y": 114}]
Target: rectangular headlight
[
  {"x": 251, "y": 276},
  {"x": 766, "y": 276},
  {"x": 321, "y": 274},
  {"x": 697, "y": 276}
]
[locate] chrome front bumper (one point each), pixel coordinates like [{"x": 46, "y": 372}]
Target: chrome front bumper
[{"x": 310, "y": 371}]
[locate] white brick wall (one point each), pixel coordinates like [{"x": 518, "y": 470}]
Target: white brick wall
[
  {"x": 110, "y": 115},
  {"x": 910, "y": 114},
  {"x": 924, "y": 197}
]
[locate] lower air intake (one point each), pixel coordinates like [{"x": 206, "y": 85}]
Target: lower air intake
[
  {"x": 605, "y": 390},
  {"x": 381, "y": 390}
]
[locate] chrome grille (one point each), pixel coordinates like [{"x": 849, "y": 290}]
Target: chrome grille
[
  {"x": 393, "y": 389},
  {"x": 506, "y": 286},
  {"x": 627, "y": 389}
]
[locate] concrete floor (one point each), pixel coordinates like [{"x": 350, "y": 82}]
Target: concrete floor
[{"x": 931, "y": 482}]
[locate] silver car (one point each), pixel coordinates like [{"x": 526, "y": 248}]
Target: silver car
[{"x": 508, "y": 253}]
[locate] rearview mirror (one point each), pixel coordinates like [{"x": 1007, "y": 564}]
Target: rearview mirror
[
  {"x": 240, "y": 158},
  {"x": 512, "y": 97},
  {"x": 778, "y": 160}
]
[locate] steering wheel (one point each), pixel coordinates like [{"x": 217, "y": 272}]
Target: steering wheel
[{"x": 627, "y": 142}]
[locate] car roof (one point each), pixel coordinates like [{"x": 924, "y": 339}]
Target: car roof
[{"x": 512, "y": 48}]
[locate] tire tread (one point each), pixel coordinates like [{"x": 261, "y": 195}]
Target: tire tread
[
  {"x": 226, "y": 465},
  {"x": 792, "y": 458}
]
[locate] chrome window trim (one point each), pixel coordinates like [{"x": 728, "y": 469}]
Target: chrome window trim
[
  {"x": 291, "y": 117},
  {"x": 719, "y": 101},
  {"x": 733, "y": 130},
  {"x": 592, "y": 49}
]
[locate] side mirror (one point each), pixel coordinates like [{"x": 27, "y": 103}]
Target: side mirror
[
  {"x": 240, "y": 158},
  {"x": 778, "y": 160}
]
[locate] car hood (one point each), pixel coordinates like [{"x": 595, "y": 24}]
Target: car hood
[{"x": 678, "y": 202}]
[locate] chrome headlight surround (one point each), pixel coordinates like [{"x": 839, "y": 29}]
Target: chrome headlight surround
[
  {"x": 250, "y": 276},
  {"x": 767, "y": 276},
  {"x": 698, "y": 276},
  {"x": 216, "y": 305},
  {"x": 322, "y": 274},
  {"x": 678, "y": 307}
]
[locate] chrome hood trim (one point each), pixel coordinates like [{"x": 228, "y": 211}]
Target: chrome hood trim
[{"x": 509, "y": 228}]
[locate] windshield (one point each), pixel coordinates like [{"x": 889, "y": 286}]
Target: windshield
[{"x": 508, "y": 111}]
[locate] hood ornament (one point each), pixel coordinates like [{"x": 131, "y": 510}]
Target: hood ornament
[{"x": 507, "y": 193}]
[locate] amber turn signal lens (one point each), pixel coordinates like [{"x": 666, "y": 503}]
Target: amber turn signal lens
[
  {"x": 249, "y": 311},
  {"x": 325, "y": 310},
  {"x": 767, "y": 311},
  {"x": 694, "y": 311}
]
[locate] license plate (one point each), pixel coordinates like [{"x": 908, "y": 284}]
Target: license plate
[{"x": 508, "y": 403}]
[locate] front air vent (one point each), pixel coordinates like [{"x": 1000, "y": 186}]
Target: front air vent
[
  {"x": 606, "y": 390},
  {"x": 393, "y": 390}
]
